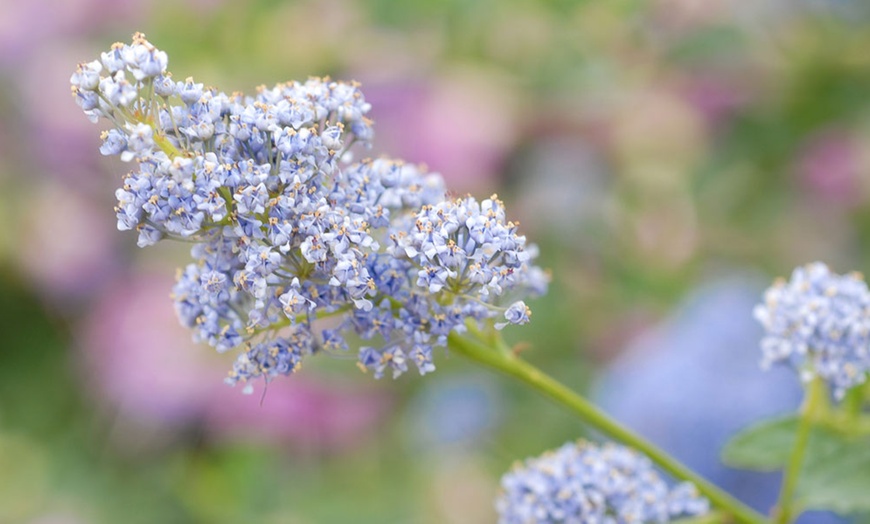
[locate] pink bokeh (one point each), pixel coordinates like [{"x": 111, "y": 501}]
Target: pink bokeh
[
  {"x": 140, "y": 361},
  {"x": 67, "y": 242},
  {"x": 51, "y": 116},
  {"x": 829, "y": 166},
  {"x": 298, "y": 409},
  {"x": 25, "y": 26},
  {"x": 715, "y": 97},
  {"x": 460, "y": 126}
]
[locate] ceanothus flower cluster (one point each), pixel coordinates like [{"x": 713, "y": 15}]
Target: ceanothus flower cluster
[
  {"x": 584, "y": 483},
  {"x": 818, "y": 323},
  {"x": 297, "y": 248}
]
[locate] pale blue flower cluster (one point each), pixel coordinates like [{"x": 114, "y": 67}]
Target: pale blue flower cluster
[
  {"x": 584, "y": 483},
  {"x": 818, "y": 323},
  {"x": 288, "y": 230}
]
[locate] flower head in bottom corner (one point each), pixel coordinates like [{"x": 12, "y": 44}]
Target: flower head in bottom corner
[{"x": 583, "y": 482}]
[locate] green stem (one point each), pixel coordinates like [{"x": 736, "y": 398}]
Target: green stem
[
  {"x": 814, "y": 399},
  {"x": 853, "y": 404},
  {"x": 163, "y": 143},
  {"x": 713, "y": 517},
  {"x": 507, "y": 362}
]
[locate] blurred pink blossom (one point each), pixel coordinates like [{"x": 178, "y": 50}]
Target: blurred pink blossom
[
  {"x": 25, "y": 26},
  {"x": 829, "y": 165},
  {"x": 67, "y": 243},
  {"x": 715, "y": 98},
  {"x": 302, "y": 410},
  {"x": 461, "y": 126},
  {"x": 139, "y": 359},
  {"x": 51, "y": 116}
]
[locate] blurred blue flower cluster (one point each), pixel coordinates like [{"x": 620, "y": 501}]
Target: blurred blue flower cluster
[
  {"x": 818, "y": 323},
  {"x": 456, "y": 413},
  {"x": 676, "y": 386},
  {"x": 582, "y": 483},
  {"x": 288, "y": 230}
]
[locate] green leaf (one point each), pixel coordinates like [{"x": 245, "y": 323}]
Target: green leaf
[
  {"x": 836, "y": 475},
  {"x": 762, "y": 447},
  {"x": 836, "y": 468}
]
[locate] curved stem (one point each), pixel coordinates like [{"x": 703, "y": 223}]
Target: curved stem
[
  {"x": 784, "y": 507},
  {"x": 508, "y": 363}
]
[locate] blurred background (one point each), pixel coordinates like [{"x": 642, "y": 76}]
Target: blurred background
[{"x": 669, "y": 157}]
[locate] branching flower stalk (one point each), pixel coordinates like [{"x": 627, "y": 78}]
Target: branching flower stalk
[
  {"x": 288, "y": 230},
  {"x": 299, "y": 249}
]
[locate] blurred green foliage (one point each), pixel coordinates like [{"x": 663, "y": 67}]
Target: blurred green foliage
[{"x": 703, "y": 123}]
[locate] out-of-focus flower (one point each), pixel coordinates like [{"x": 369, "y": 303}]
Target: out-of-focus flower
[
  {"x": 48, "y": 117},
  {"x": 453, "y": 411},
  {"x": 463, "y": 125},
  {"x": 818, "y": 323},
  {"x": 311, "y": 414},
  {"x": 140, "y": 360},
  {"x": 68, "y": 252},
  {"x": 697, "y": 372},
  {"x": 24, "y": 26},
  {"x": 684, "y": 16},
  {"x": 583, "y": 482},
  {"x": 694, "y": 381},
  {"x": 715, "y": 97},
  {"x": 830, "y": 165}
]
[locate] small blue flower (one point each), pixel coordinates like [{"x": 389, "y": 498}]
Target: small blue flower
[
  {"x": 293, "y": 302},
  {"x": 117, "y": 90},
  {"x": 114, "y": 142},
  {"x": 518, "y": 313},
  {"x": 189, "y": 91},
  {"x": 214, "y": 284},
  {"x": 164, "y": 86},
  {"x": 87, "y": 76},
  {"x": 89, "y": 101},
  {"x": 113, "y": 59},
  {"x": 421, "y": 356},
  {"x": 142, "y": 59},
  {"x": 140, "y": 141}
]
